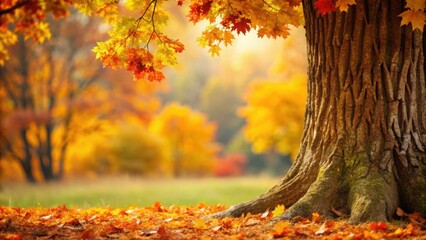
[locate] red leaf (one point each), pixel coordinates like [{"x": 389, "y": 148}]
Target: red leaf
[
  {"x": 380, "y": 226},
  {"x": 325, "y": 6},
  {"x": 163, "y": 233},
  {"x": 199, "y": 10}
]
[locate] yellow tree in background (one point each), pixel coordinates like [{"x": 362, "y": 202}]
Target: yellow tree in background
[
  {"x": 190, "y": 138},
  {"x": 125, "y": 147},
  {"x": 274, "y": 115}
]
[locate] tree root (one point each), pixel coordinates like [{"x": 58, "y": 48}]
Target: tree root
[{"x": 369, "y": 197}]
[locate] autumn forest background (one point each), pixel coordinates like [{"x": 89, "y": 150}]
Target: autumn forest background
[{"x": 65, "y": 118}]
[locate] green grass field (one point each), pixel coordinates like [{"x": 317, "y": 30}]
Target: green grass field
[{"x": 126, "y": 192}]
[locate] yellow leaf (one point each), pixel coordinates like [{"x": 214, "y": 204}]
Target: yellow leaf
[
  {"x": 343, "y": 5},
  {"x": 200, "y": 224},
  {"x": 279, "y": 210},
  {"x": 416, "y": 18},
  {"x": 214, "y": 50},
  {"x": 416, "y": 4}
]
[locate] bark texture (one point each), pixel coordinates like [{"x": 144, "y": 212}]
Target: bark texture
[{"x": 363, "y": 147}]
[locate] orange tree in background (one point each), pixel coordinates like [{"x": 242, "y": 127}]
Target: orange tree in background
[
  {"x": 42, "y": 108},
  {"x": 190, "y": 139},
  {"x": 274, "y": 115},
  {"x": 364, "y": 138}
]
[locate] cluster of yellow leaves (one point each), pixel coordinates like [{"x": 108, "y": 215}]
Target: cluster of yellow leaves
[
  {"x": 415, "y": 14},
  {"x": 180, "y": 222},
  {"x": 136, "y": 41},
  {"x": 274, "y": 115}
]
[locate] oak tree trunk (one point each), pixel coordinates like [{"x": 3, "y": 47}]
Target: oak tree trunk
[{"x": 364, "y": 140}]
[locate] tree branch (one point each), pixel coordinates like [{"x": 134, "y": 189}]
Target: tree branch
[{"x": 13, "y": 8}]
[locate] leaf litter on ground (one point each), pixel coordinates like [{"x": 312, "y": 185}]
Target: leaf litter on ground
[{"x": 189, "y": 222}]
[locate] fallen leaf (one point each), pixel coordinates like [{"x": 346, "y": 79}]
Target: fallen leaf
[
  {"x": 337, "y": 212},
  {"x": 325, "y": 228},
  {"x": 162, "y": 233},
  {"x": 316, "y": 218},
  {"x": 252, "y": 222},
  {"x": 264, "y": 215},
  {"x": 217, "y": 228},
  {"x": 281, "y": 229},
  {"x": 199, "y": 224},
  {"x": 278, "y": 211},
  {"x": 379, "y": 226},
  {"x": 47, "y": 217}
]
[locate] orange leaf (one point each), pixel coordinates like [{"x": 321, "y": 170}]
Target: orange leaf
[
  {"x": 416, "y": 18},
  {"x": 162, "y": 233},
  {"x": 316, "y": 218},
  {"x": 416, "y": 4},
  {"x": 281, "y": 229},
  {"x": 158, "y": 207},
  {"x": 199, "y": 224},
  {"x": 400, "y": 212},
  {"x": 343, "y": 5}
]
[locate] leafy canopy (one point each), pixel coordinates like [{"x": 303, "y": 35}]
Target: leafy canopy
[{"x": 137, "y": 41}]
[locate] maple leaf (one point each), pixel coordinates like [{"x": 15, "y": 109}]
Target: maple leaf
[
  {"x": 158, "y": 207},
  {"x": 241, "y": 26},
  {"x": 279, "y": 210},
  {"x": 343, "y": 5},
  {"x": 199, "y": 10},
  {"x": 416, "y": 18},
  {"x": 325, "y": 228},
  {"x": 227, "y": 38},
  {"x": 215, "y": 50},
  {"x": 294, "y": 3},
  {"x": 163, "y": 233},
  {"x": 416, "y": 4},
  {"x": 316, "y": 218},
  {"x": 325, "y": 6},
  {"x": 281, "y": 229},
  {"x": 199, "y": 224},
  {"x": 379, "y": 226}
]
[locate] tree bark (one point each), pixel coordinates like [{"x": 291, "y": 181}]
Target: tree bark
[{"x": 364, "y": 140}]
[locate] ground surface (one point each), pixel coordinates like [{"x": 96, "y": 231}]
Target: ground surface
[{"x": 180, "y": 222}]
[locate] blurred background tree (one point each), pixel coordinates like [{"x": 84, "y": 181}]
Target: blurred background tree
[
  {"x": 55, "y": 93},
  {"x": 274, "y": 117},
  {"x": 190, "y": 138}
]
